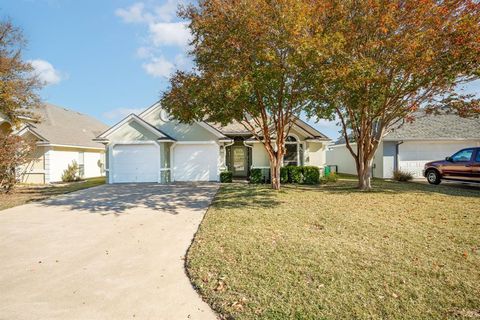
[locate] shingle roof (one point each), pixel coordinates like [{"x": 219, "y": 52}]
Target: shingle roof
[
  {"x": 434, "y": 127},
  {"x": 237, "y": 128},
  {"x": 437, "y": 127},
  {"x": 66, "y": 127},
  {"x": 231, "y": 128}
]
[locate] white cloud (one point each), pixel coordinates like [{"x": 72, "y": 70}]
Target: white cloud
[
  {"x": 120, "y": 113},
  {"x": 138, "y": 13},
  {"x": 169, "y": 34},
  {"x": 166, "y": 41},
  {"x": 159, "y": 67},
  {"x": 167, "y": 11},
  {"x": 46, "y": 72},
  {"x": 134, "y": 14}
]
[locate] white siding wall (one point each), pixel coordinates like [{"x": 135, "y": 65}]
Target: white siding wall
[
  {"x": 91, "y": 164},
  {"x": 259, "y": 156},
  {"x": 316, "y": 154},
  {"x": 59, "y": 159},
  {"x": 340, "y": 156},
  {"x": 414, "y": 154}
]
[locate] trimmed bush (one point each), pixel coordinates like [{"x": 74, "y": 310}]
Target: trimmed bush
[
  {"x": 311, "y": 175},
  {"x": 226, "y": 176},
  {"x": 332, "y": 177},
  {"x": 256, "y": 176},
  {"x": 402, "y": 176},
  {"x": 284, "y": 175},
  {"x": 71, "y": 173},
  {"x": 296, "y": 175}
]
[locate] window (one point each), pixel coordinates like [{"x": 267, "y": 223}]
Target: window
[
  {"x": 478, "y": 156},
  {"x": 292, "y": 154},
  {"x": 81, "y": 164},
  {"x": 463, "y": 155}
]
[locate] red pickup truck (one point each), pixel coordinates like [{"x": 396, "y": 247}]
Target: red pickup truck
[{"x": 462, "y": 166}]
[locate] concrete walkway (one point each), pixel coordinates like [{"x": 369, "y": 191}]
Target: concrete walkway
[{"x": 110, "y": 252}]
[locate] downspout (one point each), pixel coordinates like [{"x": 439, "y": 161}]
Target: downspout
[{"x": 395, "y": 164}]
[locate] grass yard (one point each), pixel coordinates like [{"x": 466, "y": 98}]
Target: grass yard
[
  {"x": 23, "y": 194},
  {"x": 403, "y": 251}
]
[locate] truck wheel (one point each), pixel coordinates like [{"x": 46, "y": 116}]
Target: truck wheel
[{"x": 433, "y": 177}]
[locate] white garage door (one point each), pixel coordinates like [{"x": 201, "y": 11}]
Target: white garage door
[
  {"x": 196, "y": 162},
  {"x": 135, "y": 163},
  {"x": 414, "y": 155}
]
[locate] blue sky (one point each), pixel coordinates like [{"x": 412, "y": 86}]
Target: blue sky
[{"x": 107, "y": 58}]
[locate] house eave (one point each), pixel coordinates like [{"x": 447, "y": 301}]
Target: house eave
[{"x": 48, "y": 144}]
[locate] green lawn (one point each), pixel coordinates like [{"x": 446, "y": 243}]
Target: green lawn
[
  {"x": 23, "y": 194},
  {"x": 403, "y": 251}
]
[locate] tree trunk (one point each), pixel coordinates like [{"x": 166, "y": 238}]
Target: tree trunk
[
  {"x": 275, "y": 165},
  {"x": 364, "y": 171}
]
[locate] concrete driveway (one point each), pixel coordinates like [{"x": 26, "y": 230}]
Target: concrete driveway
[{"x": 109, "y": 252}]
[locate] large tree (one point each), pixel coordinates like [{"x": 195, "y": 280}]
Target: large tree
[
  {"x": 250, "y": 66},
  {"x": 18, "y": 83},
  {"x": 394, "y": 58}
]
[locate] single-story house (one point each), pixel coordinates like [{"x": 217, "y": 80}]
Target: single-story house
[
  {"x": 61, "y": 136},
  {"x": 410, "y": 146},
  {"x": 151, "y": 147}
]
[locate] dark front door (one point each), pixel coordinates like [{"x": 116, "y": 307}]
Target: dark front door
[{"x": 239, "y": 161}]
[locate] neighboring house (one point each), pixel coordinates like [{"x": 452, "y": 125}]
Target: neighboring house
[
  {"x": 409, "y": 147},
  {"x": 151, "y": 147},
  {"x": 61, "y": 136}
]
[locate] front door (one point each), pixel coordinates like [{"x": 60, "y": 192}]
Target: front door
[{"x": 239, "y": 161}]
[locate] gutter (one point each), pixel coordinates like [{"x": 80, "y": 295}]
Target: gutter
[{"x": 397, "y": 145}]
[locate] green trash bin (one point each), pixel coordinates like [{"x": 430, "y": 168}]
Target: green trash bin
[{"x": 326, "y": 171}]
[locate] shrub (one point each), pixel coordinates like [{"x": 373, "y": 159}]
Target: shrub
[
  {"x": 256, "y": 176},
  {"x": 15, "y": 153},
  {"x": 226, "y": 176},
  {"x": 403, "y": 176},
  {"x": 296, "y": 175},
  {"x": 71, "y": 173},
  {"x": 284, "y": 175},
  {"x": 332, "y": 177},
  {"x": 311, "y": 175}
]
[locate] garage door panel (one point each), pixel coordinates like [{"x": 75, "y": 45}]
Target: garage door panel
[
  {"x": 135, "y": 163},
  {"x": 414, "y": 155},
  {"x": 196, "y": 162}
]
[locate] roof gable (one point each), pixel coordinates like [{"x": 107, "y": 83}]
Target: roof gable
[
  {"x": 196, "y": 131},
  {"x": 132, "y": 118}
]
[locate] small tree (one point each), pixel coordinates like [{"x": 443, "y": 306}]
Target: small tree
[
  {"x": 251, "y": 67},
  {"x": 71, "y": 173},
  {"x": 392, "y": 59},
  {"x": 14, "y": 153},
  {"x": 18, "y": 84}
]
